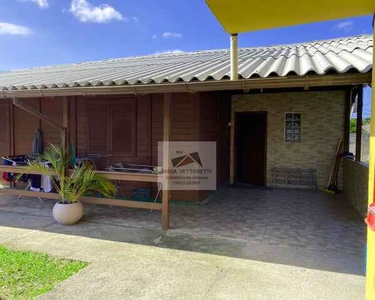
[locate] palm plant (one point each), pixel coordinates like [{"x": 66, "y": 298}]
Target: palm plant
[{"x": 76, "y": 184}]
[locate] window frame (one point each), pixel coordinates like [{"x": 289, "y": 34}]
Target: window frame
[
  {"x": 133, "y": 117},
  {"x": 110, "y": 102},
  {"x": 89, "y": 150},
  {"x": 300, "y": 129}
]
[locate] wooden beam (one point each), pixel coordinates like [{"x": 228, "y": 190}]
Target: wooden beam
[
  {"x": 92, "y": 200},
  {"x": 122, "y": 203},
  {"x": 166, "y": 161},
  {"x": 20, "y": 170},
  {"x": 139, "y": 177},
  {"x": 358, "y": 136},
  {"x": 36, "y": 113},
  {"x": 28, "y": 193},
  {"x": 292, "y": 81}
]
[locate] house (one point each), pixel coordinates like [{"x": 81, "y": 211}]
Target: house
[{"x": 285, "y": 113}]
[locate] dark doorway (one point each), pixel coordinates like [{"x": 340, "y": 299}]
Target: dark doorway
[{"x": 251, "y": 137}]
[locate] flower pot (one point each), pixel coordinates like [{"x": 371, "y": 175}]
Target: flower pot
[{"x": 69, "y": 213}]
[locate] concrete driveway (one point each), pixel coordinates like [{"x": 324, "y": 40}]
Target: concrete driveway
[{"x": 145, "y": 263}]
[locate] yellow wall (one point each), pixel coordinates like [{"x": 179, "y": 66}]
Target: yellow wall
[{"x": 370, "y": 284}]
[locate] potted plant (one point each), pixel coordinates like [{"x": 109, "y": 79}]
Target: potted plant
[{"x": 72, "y": 186}]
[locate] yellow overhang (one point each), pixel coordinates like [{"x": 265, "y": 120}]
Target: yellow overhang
[{"x": 238, "y": 16}]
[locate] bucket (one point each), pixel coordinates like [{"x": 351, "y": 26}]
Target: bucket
[{"x": 370, "y": 220}]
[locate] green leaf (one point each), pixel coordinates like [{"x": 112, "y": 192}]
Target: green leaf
[{"x": 82, "y": 181}]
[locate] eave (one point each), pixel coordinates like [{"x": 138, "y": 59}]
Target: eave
[{"x": 245, "y": 85}]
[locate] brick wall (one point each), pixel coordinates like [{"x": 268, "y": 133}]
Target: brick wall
[
  {"x": 322, "y": 115},
  {"x": 356, "y": 184}
]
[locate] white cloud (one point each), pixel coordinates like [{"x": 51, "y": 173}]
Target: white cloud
[
  {"x": 87, "y": 13},
  {"x": 345, "y": 26},
  {"x": 175, "y": 51},
  {"x": 135, "y": 20},
  {"x": 169, "y": 35},
  {"x": 40, "y": 3},
  {"x": 12, "y": 29}
]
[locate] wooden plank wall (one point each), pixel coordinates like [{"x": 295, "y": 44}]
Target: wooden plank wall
[
  {"x": 5, "y": 119},
  {"x": 193, "y": 117},
  {"x": 25, "y": 126},
  {"x": 156, "y": 126},
  {"x": 184, "y": 126},
  {"x": 81, "y": 115},
  {"x": 142, "y": 153},
  {"x": 214, "y": 116},
  {"x": 52, "y": 108},
  {"x": 223, "y": 138},
  {"x": 207, "y": 130}
]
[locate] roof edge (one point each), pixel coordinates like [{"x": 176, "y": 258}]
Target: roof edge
[{"x": 293, "y": 81}]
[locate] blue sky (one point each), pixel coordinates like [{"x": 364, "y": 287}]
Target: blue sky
[{"x": 49, "y": 32}]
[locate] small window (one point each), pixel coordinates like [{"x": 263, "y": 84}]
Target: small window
[{"x": 292, "y": 127}]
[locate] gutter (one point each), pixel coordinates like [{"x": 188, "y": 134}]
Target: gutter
[{"x": 245, "y": 85}]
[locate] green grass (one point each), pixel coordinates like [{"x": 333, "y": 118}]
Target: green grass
[{"x": 26, "y": 275}]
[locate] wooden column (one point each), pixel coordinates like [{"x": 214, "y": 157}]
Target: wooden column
[
  {"x": 358, "y": 142},
  {"x": 166, "y": 161}
]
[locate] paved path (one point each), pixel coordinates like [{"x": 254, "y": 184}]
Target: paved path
[{"x": 134, "y": 263}]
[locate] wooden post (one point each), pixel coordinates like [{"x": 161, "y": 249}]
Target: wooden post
[
  {"x": 166, "y": 162},
  {"x": 358, "y": 142}
]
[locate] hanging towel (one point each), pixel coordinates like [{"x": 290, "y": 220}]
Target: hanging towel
[
  {"x": 73, "y": 158},
  {"x": 46, "y": 181},
  {"x": 37, "y": 143}
]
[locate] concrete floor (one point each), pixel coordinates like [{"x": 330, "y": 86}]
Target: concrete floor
[
  {"x": 301, "y": 219},
  {"x": 294, "y": 250}
]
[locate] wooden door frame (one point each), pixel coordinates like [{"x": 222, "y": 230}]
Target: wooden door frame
[{"x": 236, "y": 116}]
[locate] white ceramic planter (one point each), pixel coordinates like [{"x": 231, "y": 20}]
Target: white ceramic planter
[{"x": 68, "y": 214}]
